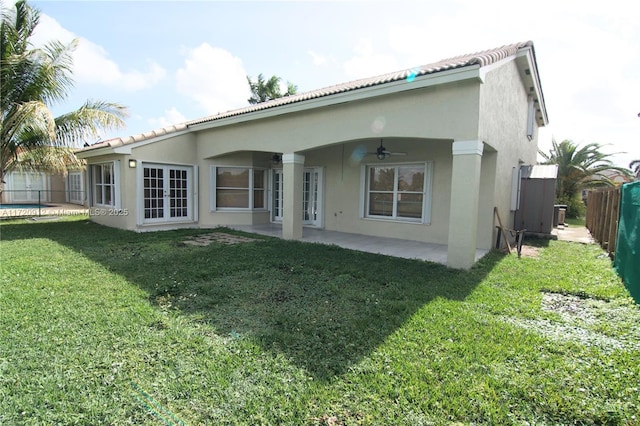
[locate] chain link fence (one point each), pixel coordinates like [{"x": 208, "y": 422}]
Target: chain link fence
[{"x": 40, "y": 202}]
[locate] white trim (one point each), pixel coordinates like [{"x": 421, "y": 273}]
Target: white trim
[
  {"x": 528, "y": 54},
  {"x": 191, "y": 193},
  {"x": 473, "y": 147},
  {"x": 213, "y": 189},
  {"x": 117, "y": 190},
  {"x": 117, "y": 197},
  {"x": 292, "y": 158},
  {"x": 194, "y": 193},
  {"x": 426, "y": 200}
]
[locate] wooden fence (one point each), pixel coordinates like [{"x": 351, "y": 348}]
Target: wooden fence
[{"x": 603, "y": 210}]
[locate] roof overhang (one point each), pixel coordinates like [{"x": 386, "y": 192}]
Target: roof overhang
[
  {"x": 526, "y": 61},
  {"x": 119, "y": 147}
]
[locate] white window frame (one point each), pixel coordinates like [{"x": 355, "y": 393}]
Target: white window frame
[
  {"x": 115, "y": 184},
  {"x": 251, "y": 188},
  {"x": 426, "y": 193}
]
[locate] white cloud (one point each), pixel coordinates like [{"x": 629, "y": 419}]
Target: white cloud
[
  {"x": 171, "y": 116},
  {"x": 214, "y": 78},
  {"x": 91, "y": 63},
  {"x": 367, "y": 62},
  {"x": 319, "y": 59}
]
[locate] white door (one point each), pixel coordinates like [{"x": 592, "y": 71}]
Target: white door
[
  {"x": 167, "y": 193},
  {"x": 76, "y": 189},
  {"x": 311, "y": 193},
  {"x": 28, "y": 187},
  {"x": 278, "y": 179},
  {"x": 311, "y": 196}
]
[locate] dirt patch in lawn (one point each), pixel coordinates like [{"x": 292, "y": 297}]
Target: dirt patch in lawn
[
  {"x": 217, "y": 237},
  {"x": 529, "y": 251},
  {"x": 581, "y": 319}
]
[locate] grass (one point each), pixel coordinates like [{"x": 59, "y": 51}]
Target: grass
[
  {"x": 575, "y": 221},
  {"x": 102, "y": 326}
]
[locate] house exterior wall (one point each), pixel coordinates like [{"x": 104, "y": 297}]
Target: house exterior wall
[
  {"x": 57, "y": 188},
  {"x": 503, "y": 126},
  {"x": 442, "y": 112},
  {"x": 424, "y": 122}
]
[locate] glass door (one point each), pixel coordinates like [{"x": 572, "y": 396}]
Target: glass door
[
  {"x": 76, "y": 193},
  {"x": 27, "y": 186},
  {"x": 166, "y": 193},
  {"x": 311, "y": 196},
  {"x": 277, "y": 195}
]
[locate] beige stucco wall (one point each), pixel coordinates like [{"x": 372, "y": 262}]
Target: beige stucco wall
[
  {"x": 423, "y": 122},
  {"x": 503, "y": 126},
  {"x": 442, "y": 112}
]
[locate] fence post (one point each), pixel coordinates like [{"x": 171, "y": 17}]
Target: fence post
[
  {"x": 39, "y": 205},
  {"x": 613, "y": 228}
]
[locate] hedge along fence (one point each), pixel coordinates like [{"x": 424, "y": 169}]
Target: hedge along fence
[{"x": 603, "y": 211}]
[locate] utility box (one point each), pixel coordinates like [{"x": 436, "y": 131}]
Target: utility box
[
  {"x": 561, "y": 216},
  {"x": 536, "y": 199}
]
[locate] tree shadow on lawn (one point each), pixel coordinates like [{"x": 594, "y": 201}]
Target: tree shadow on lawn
[{"x": 323, "y": 307}]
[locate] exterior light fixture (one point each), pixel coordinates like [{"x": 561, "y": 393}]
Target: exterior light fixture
[
  {"x": 132, "y": 164},
  {"x": 275, "y": 159}
]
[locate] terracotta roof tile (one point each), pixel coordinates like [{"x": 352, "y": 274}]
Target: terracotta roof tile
[{"x": 482, "y": 58}]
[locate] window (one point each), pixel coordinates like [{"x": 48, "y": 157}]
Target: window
[
  {"x": 531, "y": 118},
  {"x": 104, "y": 184},
  {"x": 239, "y": 188},
  {"x": 399, "y": 192}
]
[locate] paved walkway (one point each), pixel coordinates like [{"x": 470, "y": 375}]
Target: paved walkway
[{"x": 576, "y": 234}]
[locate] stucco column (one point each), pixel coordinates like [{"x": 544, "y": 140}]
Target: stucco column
[
  {"x": 463, "y": 214},
  {"x": 293, "y": 173}
]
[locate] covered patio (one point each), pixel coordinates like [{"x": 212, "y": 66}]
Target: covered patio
[{"x": 387, "y": 246}]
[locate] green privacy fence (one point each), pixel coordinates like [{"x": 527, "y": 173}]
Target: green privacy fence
[{"x": 627, "y": 259}]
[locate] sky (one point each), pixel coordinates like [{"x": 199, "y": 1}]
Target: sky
[{"x": 170, "y": 62}]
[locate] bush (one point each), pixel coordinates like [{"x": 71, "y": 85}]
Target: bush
[{"x": 575, "y": 206}]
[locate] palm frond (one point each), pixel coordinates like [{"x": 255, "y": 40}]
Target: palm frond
[{"x": 86, "y": 122}]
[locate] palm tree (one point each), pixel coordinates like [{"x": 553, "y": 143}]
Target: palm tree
[
  {"x": 265, "y": 90},
  {"x": 31, "y": 80},
  {"x": 635, "y": 166},
  {"x": 580, "y": 168}
]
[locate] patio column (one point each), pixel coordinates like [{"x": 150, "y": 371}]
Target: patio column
[
  {"x": 463, "y": 213},
  {"x": 293, "y": 173}
]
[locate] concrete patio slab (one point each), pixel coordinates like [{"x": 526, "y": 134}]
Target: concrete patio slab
[{"x": 387, "y": 246}]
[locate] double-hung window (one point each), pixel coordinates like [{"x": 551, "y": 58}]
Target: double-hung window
[
  {"x": 104, "y": 184},
  {"x": 398, "y": 192},
  {"x": 239, "y": 188}
]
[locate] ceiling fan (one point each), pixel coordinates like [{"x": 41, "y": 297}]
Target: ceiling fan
[{"x": 382, "y": 153}]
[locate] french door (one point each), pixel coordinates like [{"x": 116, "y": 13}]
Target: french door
[
  {"x": 311, "y": 196},
  {"x": 29, "y": 187},
  {"x": 76, "y": 190},
  {"x": 167, "y": 193}
]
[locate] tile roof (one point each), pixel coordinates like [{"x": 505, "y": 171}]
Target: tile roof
[{"x": 482, "y": 58}]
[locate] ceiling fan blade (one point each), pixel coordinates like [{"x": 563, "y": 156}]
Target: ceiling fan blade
[{"x": 395, "y": 153}]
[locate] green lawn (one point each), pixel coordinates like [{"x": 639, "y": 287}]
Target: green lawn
[{"x": 101, "y": 326}]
